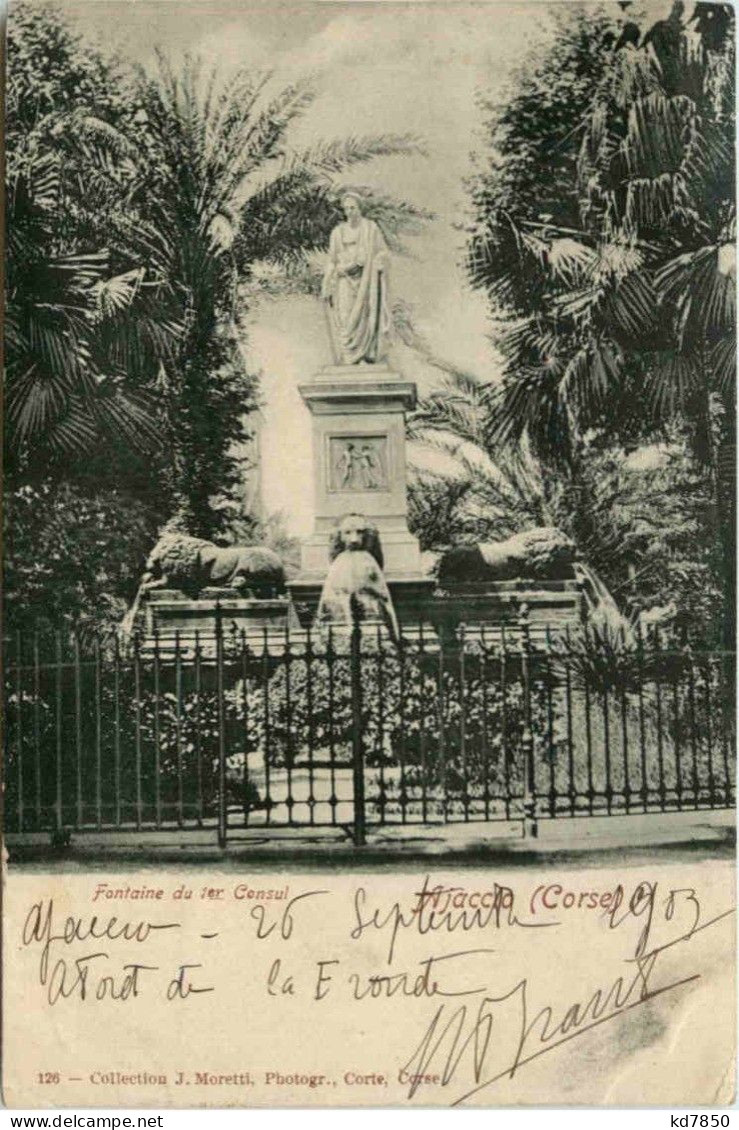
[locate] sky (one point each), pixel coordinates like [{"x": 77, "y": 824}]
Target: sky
[{"x": 379, "y": 67}]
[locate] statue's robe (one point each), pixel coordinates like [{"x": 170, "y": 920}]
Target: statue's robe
[{"x": 356, "y": 279}]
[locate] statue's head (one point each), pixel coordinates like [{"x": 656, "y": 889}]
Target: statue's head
[
  {"x": 355, "y": 532},
  {"x": 352, "y": 206}
]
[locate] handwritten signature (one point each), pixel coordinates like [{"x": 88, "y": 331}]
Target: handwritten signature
[{"x": 459, "y": 1041}]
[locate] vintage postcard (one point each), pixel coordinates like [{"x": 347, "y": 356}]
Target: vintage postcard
[{"x": 369, "y": 554}]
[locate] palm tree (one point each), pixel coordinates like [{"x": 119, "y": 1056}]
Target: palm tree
[
  {"x": 224, "y": 194},
  {"x": 641, "y": 295},
  {"x": 626, "y": 321},
  {"x": 77, "y": 313}
]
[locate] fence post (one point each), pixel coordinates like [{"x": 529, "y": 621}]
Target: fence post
[
  {"x": 357, "y": 728},
  {"x": 19, "y": 724},
  {"x": 58, "y": 832},
  {"x": 222, "y": 823},
  {"x": 530, "y": 825}
]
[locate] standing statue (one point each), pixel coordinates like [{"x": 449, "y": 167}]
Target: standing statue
[
  {"x": 355, "y": 288},
  {"x": 347, "y": 466}
]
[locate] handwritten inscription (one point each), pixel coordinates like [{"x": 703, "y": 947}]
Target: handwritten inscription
[
  {"x": 445, "y": 956},
  {"x": 439, "y": 909},
  {"x": 86, "y": 976}
]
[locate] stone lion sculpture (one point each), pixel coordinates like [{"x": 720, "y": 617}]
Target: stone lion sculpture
[
  {"x": 190, "y": 564},
  {"x": 355, "y": 583},
  {"x": 543, "y": 553}
]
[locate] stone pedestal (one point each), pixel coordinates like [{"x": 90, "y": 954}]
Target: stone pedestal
[
  {"x": 358, "y": 414},
  {"x": 171, "y": 616}
]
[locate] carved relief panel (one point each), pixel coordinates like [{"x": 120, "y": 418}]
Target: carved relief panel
[{"x": 358, "y": 463}]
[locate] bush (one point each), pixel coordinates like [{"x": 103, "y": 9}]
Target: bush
[
  {"x": 415, "y": 709},
  {"x": 72, "y": 558}
]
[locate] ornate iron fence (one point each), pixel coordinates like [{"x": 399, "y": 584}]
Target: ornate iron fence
[{"x": 352, "y": 730}]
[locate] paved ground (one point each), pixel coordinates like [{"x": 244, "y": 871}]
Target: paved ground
[{"x": 703, "y": 834}]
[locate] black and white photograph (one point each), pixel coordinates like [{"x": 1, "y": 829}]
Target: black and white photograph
[{"x": 369, "y": 483}]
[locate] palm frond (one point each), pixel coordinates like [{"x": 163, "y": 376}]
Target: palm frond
[
  {"x": 115, "y": 294},
  {"x": 332, "y": 157},
  {"x": 298, "y": 275},
  {"x": 570, "y": 259},
  {"x": 705, "y": 296},
  {"x": 74, "y": 431},
  {"x": 34, "y": 402},
  {"x": 657, "y": 126},
  {"x": 249, "y": 141},
  {"x": 449, "y": 414},
  {"x": 588, "y": 378},
  {"x": 530, "y": 405},
  {"x": 723, "y": 362},
  {"x": 671, "y": 384},
  {"x": 632, "y": 307},
  {"x": 131, "y": 415}
]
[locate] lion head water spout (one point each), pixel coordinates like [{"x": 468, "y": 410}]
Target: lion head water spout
[{"x": 355, "y": 583}]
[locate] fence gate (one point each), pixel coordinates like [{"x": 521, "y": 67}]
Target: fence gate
[{"x": 293, "y": 735}]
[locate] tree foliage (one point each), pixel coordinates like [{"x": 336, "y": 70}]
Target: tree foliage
[
  {"x": 641, "y": 518},
  {"x": 83, "y": 335},
  {"x": 613, "y": 269},
  {"x": 604, "y": 236},
  {"x": 73, "y": 555},
  {"x": 141, "y": 208}
]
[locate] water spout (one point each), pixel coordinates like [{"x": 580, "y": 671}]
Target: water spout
[
  {"x": 128, "y": 623},
  {"x": 355, "y": 586},
  {"x": 601, "y": 607}
]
